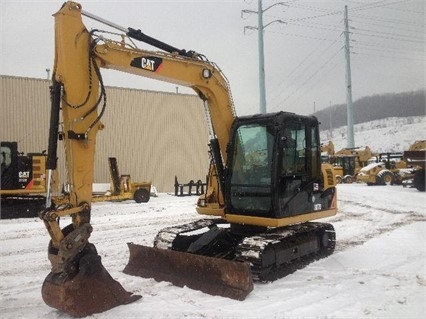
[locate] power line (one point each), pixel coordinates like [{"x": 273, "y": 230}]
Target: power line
[
  {"x": 395, "y": 38},
  {"x": 298, "y": 35},
  {"x": 378, "y": 4},
  {"x": 301, "y": 69},
  {"x": 360, "y": 61},
  {"x": 315, "y": 26},
  {"x": 381, "y": 19},
  {"x": 311, "y": 8},
  {"x": 387, "y": 56},
  {"x": 394, "y": 27},
  {"x": 295, "y": 97},
  {"x": 356, "y": 44},
  {"x": 312, "y": 75},
  {"x": 387, "y": 34}
]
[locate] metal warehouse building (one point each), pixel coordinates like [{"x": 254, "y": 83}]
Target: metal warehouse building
[{"x": 154, "y": 135}]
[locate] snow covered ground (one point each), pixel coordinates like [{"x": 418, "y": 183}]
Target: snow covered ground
[{"x": 377, "y": 271}]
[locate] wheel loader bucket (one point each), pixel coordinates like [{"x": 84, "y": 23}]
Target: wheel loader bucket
[
  {"x": 92, "y": 290},
  {"x": 210, "y": 275}
]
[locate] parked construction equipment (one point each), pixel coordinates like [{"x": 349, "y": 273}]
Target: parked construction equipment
[
  {"x": 347, "y": 162},
  {"x": 387, "y": 169},
  {"x": 23, "y": 182},
  {"x": 416, "y": 158},
  {"x": 122, "y": 187},
  {"x": 265, "y": 182}
]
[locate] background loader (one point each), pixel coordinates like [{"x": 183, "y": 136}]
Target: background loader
[
  {"x": 416, "y": 158},
  {"x": 394, "y": 168},
  {"x": 347, "y": 162}
]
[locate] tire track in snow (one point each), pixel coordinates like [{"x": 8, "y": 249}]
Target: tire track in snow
[
  {"x": 378, "y": 228},
  {"x": 367, "y": 206}
]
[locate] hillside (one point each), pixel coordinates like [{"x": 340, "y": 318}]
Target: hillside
[
  {"x": 375, "y": 107},
  {"x": 386, "y": 135}
]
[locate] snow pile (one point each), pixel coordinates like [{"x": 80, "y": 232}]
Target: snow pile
[{"x": 386, "y": 135}]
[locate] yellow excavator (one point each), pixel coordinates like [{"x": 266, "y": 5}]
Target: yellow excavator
[{"x": 265, "y": 182}]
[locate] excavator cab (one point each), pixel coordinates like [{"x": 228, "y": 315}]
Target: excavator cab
[
  {"x": 274, "y": 167},
  {"x": 272, "y": 183}
]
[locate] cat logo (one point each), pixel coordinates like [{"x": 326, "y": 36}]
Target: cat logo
[
  {"x": 25, "y": 174},
  {"x": 147, "y": 63}
]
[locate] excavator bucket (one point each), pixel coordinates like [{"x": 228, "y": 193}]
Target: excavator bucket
[
  {"x": 210, "y": 275},
  {"x": 92, "y": 290}
]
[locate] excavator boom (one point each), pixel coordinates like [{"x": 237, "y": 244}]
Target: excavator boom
[
  {"x": 265, "y": 180},
  {"x": 78, "y": 283}
]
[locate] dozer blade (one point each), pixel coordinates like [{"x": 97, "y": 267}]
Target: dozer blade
[
  {"x": 92, "y": 290},
  {"x": 213, "y": 276}
]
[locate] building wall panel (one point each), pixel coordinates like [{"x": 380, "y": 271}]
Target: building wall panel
[{"x": 154, "y": 135}]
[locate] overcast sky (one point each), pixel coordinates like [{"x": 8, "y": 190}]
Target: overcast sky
[{"x": 304, "y": 58}]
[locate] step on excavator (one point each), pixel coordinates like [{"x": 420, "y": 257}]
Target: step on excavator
[{"x": 265, "y": 181}]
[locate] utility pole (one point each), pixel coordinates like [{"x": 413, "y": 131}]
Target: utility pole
[
  {"x": 260, "y": 27},
  {"x": 262, "y": 88},
  {"x": 350, "y": 117},
  {"x": 331, "y": 124}
]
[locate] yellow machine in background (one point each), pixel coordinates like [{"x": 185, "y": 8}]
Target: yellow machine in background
[
  {"x": 416, "y": 158},
  {"x": 419, "y": 145},
  {"x": 384, "y": 171},
  {"x": 265, "y": 182},
  {"x": 327, "y": 150},
  {"x": 396, "y": 168},
  {"x": 347, "y": 162},
  {"x": 122, "y": 187}
]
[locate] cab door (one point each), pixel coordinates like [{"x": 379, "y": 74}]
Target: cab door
[{"x": 299, "y": 168}]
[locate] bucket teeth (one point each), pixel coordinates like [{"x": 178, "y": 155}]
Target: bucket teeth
[
  {"x": 91, "y": 290},
  {"x": 210, "y": 275}
]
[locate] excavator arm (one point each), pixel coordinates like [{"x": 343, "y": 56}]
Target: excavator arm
[
  {"x": 78, "y": 102},
  {"x": 79, "y": 55},
  {"x": 272, "y": 187},
  {"x": 79, "y": 95}
]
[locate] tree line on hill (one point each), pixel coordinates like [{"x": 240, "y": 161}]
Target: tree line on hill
[{"x": 375, "y": 107}]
